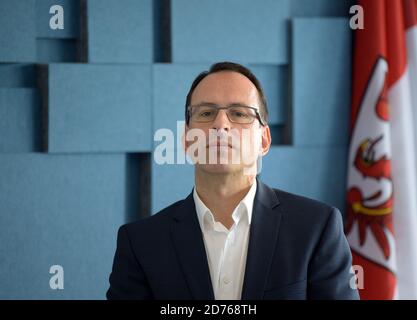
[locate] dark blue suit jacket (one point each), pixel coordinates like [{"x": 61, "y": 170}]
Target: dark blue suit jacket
[{"x": 297, "y": 250}]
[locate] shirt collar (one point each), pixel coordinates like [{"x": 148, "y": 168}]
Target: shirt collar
[{"x": 244, "y": 206}]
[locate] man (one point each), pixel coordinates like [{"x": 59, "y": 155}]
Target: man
[{"x": 233, "y": 237}]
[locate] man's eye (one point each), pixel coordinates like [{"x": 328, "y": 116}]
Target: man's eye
[
  {"x": 239, "y": 114},
  {"x": 206, "y": 113}
]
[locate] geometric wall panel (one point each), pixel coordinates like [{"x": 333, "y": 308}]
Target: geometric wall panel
[
  {"x": 244, "y": 31},
  {"x": 17, "y": 31},
  {"x": 17, "y": 75},
  {"x": 55, "y": 50},
  {"x": 318, "y": 173},
  {"x": 321, "y": 81},
  {"x": 57, "y": 45},
  {"x": 170, "y": 183},
  {"x": 120, "y": 32},
  {"x": 97, "y": 108},
  {"x": 318, "y": 8},
  {"x": 19, "y": 120},
  {"x": 71, "y": 19},
  {"x": 59, "y": 210}
]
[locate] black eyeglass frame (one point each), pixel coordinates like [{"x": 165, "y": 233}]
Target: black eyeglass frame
[{"x": 258, "y": 115}]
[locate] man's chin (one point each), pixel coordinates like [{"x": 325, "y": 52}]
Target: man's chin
[{"x": 220, "y": 168}]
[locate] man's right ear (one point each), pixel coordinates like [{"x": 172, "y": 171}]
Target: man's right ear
[{"x": 266, "y": 140}]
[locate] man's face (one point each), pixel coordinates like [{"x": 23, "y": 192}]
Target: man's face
[{"x": 230, "y": 146}]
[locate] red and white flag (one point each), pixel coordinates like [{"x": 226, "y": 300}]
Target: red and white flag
[{"x": 381, "y": 221}]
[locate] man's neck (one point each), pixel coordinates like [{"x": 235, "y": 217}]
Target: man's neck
[{"x": 221, "y": 193}]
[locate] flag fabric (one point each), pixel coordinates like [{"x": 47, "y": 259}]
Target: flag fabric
[{"x": 381, "y": 224}]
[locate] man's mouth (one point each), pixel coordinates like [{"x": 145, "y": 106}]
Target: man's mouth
[{"x": 219, "y": 144}]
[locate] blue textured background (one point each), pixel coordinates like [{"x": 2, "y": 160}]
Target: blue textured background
[{"x": 79, "y": 108}]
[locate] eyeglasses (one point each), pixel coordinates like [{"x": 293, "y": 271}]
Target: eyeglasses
[{"x": 236, "y": 113}]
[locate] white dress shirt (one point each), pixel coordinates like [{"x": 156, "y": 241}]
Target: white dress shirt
[{"x": 226, "y": 249}]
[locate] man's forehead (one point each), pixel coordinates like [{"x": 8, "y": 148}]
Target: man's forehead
[{"x": 225, "y": 87}]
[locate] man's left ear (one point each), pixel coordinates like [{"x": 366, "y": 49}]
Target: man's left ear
[{"x": 266, "y": 140}]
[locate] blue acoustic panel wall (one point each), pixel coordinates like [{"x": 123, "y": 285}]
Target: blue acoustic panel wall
[
  {"x": 17, "y": 75},
  {"x": 318, "y": 173},
  {"x": 71, "y": 19},
  {"x": 55, "y": 50},
  {"x": 99, "y": 108},
  {"x": 170, "y": 183},
  {"x": 19, "y": 120},
  {"x": 18, "y": 31},
  {"x": 240, "y": 30},
  {"x": 59, "y": 210},
  {"x": 120, "y": 31},
  {"x": 316, "y": 8},
  {"x": 321, "y": 81}
]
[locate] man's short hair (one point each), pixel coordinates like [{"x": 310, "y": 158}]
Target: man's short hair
[{"x": 235, "y": 67}]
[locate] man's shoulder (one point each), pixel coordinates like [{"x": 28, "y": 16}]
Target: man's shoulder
[
  {"x": 295, "y": 207},
  {"x": 306, "y": 218},
  {"x": 155, "y": 222},
  {"x": 301, "y": 207}
]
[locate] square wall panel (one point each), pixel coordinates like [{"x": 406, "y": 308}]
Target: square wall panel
[
  {"x": 314, "y": 172},
  {"x": 322, "y": 73},
  {"x": 97, "y": 108},
  {"x": 120, "y": 31},
  {"x": 243, "y": 31},
  {"x": 71, "y": 10},
  {"x": 59, "y": 210},
  {"x": 19, "y": 120},
  {"x": 170, "y": 182},
  {"x": 321, "y": 8},
  {"x": 17, "y": 31}
]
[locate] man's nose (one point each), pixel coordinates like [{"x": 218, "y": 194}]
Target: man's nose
[{"x": 221, "y": 121}]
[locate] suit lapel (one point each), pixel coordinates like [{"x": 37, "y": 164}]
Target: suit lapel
[
  {"x": 263, "y": 235},
  {"x": 189, "y": 245}
]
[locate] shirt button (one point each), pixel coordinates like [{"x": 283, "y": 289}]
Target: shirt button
[{"x": 226, "y": 280}]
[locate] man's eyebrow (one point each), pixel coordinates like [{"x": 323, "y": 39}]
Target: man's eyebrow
[
  {"x": 204, "y": 103},
  {"x": 234, "y": 104},
  {"x": 239, "y": 104}
]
